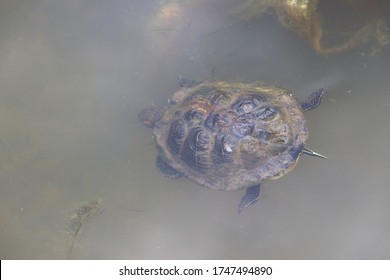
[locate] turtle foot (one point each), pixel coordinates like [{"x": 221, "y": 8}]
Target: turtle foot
[
  {"x": 252, "y": 194},
  {"x": 166, "y": 169},
  {"x": 313, "y": 100}
]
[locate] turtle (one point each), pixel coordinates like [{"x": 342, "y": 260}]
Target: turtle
[{"x": 230, "y": 135}]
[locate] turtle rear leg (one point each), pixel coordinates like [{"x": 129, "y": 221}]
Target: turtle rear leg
[
  {"x": 313, "y": 100},
  {"x": 252, "y": 194},
  {"x": 166, "y": 169}
]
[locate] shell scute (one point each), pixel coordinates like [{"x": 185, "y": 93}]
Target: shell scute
[{"x": 177, "y": 133}]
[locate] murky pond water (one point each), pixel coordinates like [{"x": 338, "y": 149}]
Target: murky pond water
[{"x": 77, "y": 170}]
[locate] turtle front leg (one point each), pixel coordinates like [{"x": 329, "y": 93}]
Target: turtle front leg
[
  {"x": 252, "y": 194},
  {"x": 166, "y": 169}
]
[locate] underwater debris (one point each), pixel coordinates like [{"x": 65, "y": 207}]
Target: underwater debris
[
  {"x": 329, "y": 26},
  {"x": 81, "y": 215}
]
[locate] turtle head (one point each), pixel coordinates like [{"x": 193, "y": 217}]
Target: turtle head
[{"x": 150, "y": 116}]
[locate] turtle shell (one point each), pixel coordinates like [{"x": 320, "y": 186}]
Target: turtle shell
[{"x": 228, "y": 136}]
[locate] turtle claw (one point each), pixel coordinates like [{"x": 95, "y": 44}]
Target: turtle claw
[
  {"x": 252, "y": 194},
  {"x": 308, "y": 152}
]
